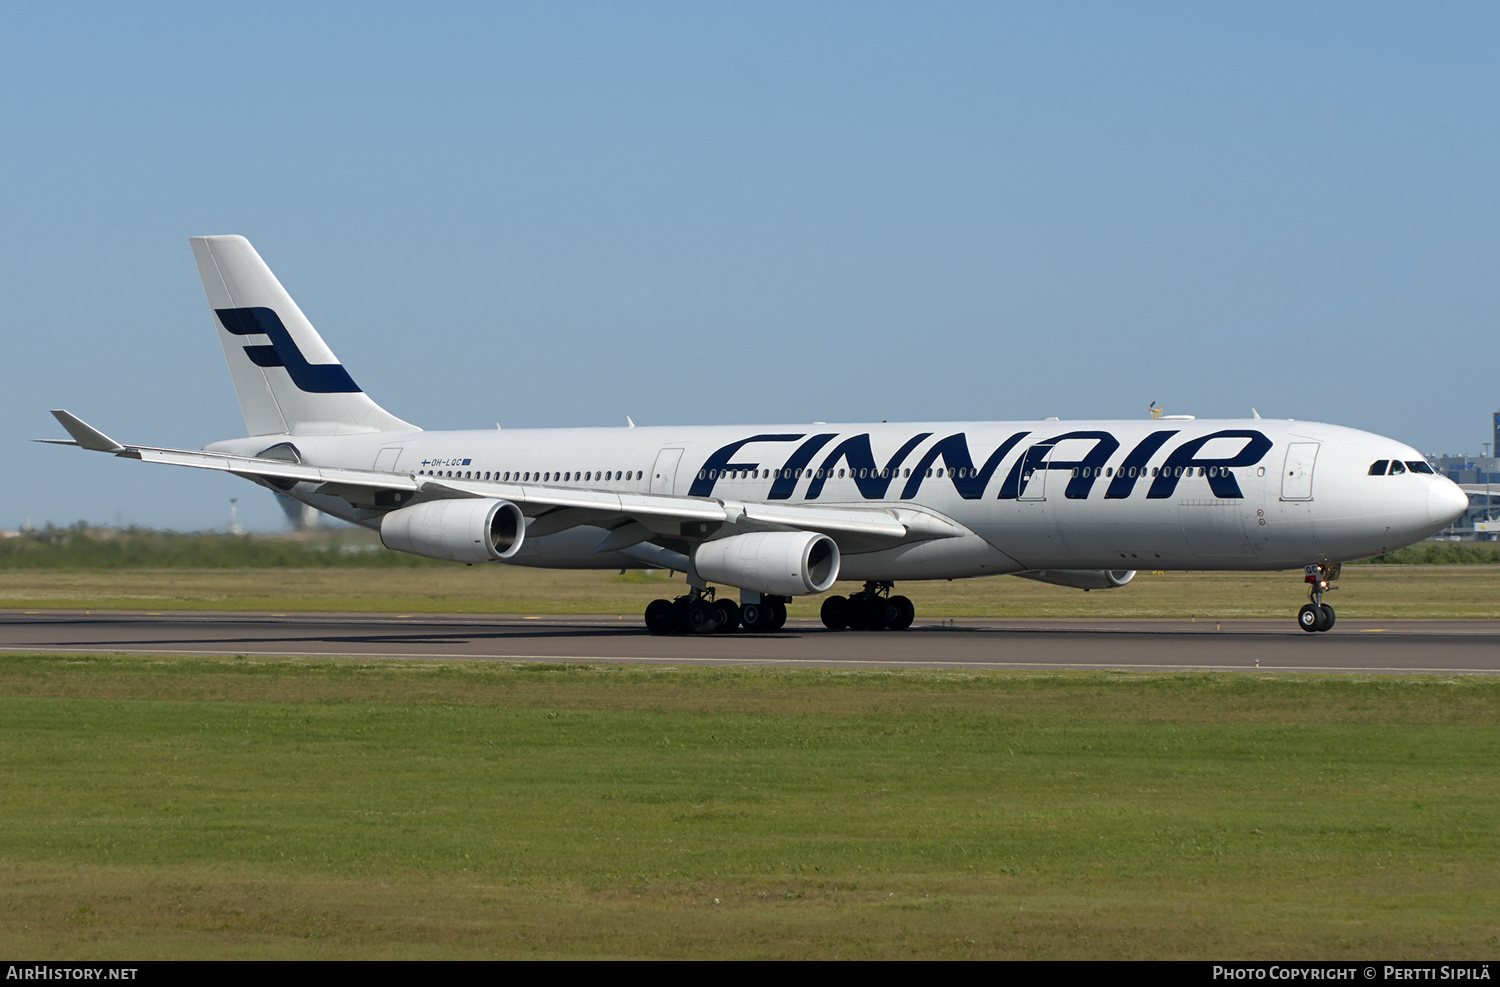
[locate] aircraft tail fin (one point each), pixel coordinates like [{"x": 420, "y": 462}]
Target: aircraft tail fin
[{"x": 287, "y": 379}]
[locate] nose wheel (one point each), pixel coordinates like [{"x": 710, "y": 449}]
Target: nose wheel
[{"x": 1318, "y": 616}]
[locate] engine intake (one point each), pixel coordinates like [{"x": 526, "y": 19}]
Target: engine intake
[
  {"x": 778, "y": 563},
  {"x": 1082, "y": 578},
  {"x": 456, "y": 530}
]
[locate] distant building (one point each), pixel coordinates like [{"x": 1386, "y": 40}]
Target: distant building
[{"x": 1479, "y": 476}]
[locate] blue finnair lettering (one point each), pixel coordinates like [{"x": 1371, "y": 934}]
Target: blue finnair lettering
[
  {"x": 967, "y": 479},
  {"x": 970, "y": 481},
  {"x": 1134, "y": 466},
  {"x": 315, "y": 378},
  {"x": 786, "y": 477},
  {"x": 1184, "y": 459},
  {"x": 871, "y": 480},
  {"x": 703, "y": 485},
  {"x": 1085, "y": 471}
]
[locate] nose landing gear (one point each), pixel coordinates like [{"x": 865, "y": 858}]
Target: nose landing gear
[{"x": 1317, "y": 615}]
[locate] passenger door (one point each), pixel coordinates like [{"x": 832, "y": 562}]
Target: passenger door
[
  {"x": 664, "y": 473},
  {"x": 1297, "y": 472}
]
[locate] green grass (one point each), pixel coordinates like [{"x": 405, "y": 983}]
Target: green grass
[
  {"x": 1383, "y": 592},
  {"x": 348, "y": 570},
  {"x": 197, "y": 807}
]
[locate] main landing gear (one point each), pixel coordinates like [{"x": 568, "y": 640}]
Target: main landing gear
[
  {"x": 873, "y": 609},
  {"x": 699, "y": 613},
  {"x": 1317, "y": 615}
]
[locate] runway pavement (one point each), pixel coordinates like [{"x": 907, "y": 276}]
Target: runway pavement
[{"x": 1353, "y": 646}]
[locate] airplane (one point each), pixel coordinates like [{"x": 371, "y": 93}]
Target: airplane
[{"x": 781, "y": 511}]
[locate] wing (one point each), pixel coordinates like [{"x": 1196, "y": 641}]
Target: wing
[{"x": 631, "y": 518}]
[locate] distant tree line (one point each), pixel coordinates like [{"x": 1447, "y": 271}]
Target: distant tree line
[
  {"x": 82, "y": 547},
  {"x": 1442, "y": 553}
]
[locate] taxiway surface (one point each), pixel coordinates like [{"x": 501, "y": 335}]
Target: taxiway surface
[{"x": 1362, "y": 646}]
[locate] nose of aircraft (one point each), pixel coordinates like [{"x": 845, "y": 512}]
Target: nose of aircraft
[{"x": 1446, "y": 503}]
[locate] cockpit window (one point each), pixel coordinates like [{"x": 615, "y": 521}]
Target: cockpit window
[
  {"x": 1419, "y": 466},
  {"x": 1397, "y": 467},
  {"x": 1379, "y": 467}
]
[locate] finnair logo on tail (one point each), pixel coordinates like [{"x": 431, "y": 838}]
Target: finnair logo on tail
[{"x": 315, "y": 378}]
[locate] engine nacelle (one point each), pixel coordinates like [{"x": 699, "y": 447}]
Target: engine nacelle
[
  {"x": 777, "y": 563},
  {"x": 1082, "y": 578},
  {"x": 456, "y": 530}
]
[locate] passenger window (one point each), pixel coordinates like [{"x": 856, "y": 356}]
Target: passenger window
[
  {"x": 1420, "y": 466},
  {"x": 1379, "y": 467},
  {"x": 1396, "y": 467}
]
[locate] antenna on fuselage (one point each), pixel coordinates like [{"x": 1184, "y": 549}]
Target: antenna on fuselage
[
  {"x": 1255, "y": 413},
  {"x": 628, "y": 422}
]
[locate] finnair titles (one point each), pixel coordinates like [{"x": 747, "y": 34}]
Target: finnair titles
[{"x": 783, "y": 511}]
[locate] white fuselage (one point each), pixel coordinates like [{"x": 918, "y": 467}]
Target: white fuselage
[{"x": 1157, "y": 494}]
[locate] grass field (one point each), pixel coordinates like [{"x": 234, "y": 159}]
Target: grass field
[
  {"x": 1384, "y": 592},
  {"x": 234, "y": 808}
]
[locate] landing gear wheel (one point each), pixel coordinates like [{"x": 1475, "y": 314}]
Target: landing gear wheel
[
  {"x": 659, "y": 617},
  {"x": 854, "y": 612},
  {"x": 875, "y": 613},
  {"x": 906, "y": 612},
  {"x": 729, "y": 616},
  {"x": 700, "y": 617},
  {"x": 778, "y": 616},
  {"x": 753, "y": 616},
  {"x": 835, "y": 613},
  {"x": 1317, "y": 615}
]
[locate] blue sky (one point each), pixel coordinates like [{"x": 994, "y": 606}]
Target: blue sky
[{"x": 561, "y": 214}]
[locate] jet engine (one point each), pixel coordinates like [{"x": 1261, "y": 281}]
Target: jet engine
[
  {"x": 1082, "y": 578},
  {"x": 777, "y": 563},
  {"x": 456, "y": 530}
]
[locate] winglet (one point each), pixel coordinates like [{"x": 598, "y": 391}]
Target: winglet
[{"x": 86, "y": 435}]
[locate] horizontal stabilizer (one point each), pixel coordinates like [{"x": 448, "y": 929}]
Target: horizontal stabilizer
[{"x": 85, "y": 434}]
